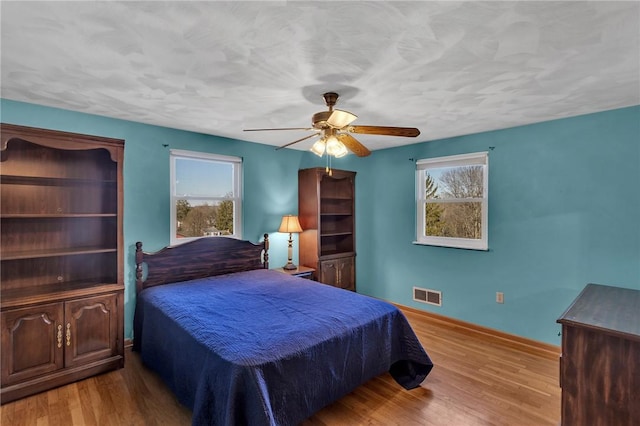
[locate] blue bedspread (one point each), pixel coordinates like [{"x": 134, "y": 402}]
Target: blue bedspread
[{"x": 265, "y": 348}]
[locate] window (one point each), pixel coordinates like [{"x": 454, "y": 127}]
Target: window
[
  {"x": 452, "y": 194},
  {"x": 206, "y": 196}
]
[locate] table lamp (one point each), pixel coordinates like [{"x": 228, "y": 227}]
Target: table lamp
[{"x": 290, "y": 224}]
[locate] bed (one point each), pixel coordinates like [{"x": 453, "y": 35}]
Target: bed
[{"x": 239, "y": 343}]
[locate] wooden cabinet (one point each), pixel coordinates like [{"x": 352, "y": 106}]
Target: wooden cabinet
[
  {"x": 61, "y": 248},
  {"x": 600, "y": 363},
  {"x": 339, "y": 272},
  {"x": 326, "y": 210},
  {"x": 49, "y": 337}
]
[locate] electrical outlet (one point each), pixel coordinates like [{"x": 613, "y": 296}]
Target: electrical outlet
[{"x": 499, "y": 297}]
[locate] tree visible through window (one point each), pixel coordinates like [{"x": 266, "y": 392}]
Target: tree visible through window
[
  {"x": 206, "y": 195},
  {"x": 452, "y": 201}
]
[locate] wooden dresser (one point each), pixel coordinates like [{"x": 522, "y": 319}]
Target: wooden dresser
[
  {"x": 62, "y": 286},
  {"x": 600, "y": 363}
]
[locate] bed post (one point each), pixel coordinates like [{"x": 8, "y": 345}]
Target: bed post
[
  {"x": 265, "y": 262},
  {"x": 139, "y": 255}
]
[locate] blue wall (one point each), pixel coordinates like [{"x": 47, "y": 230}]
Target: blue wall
[
  {"x": 564, "y": 206},
  {"x": 564, "y": 211}
]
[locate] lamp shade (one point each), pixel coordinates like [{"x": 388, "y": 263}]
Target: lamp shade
[
  {"x": 290, "y": 224},
  {"x": 335, "y": 147},
  {"x": 319, "y": 147}
]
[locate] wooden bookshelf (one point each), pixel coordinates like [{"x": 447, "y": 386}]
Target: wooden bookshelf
[
  {"x": 326, "y": 210},
  {"x": 62, "y": 280}
]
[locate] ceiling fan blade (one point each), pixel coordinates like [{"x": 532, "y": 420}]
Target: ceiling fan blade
[
  {"x": 410, "y": 132},
  {"x": 353, "y": 145},
  {"x": 281, "y": 128},
  {"x": 339, "y": 119},
  {"x": 299, "y": 140}
]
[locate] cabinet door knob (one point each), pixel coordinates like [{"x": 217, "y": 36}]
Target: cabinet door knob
[{"x": 68, "y": 334}]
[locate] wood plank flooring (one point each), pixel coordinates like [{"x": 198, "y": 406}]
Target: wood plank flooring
[{"x": 478, "y": 379}]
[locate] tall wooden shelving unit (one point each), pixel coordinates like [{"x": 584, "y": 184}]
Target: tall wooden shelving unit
[
  {"x": 61, "y": 249},
  {"x": 326, "y": 210}
]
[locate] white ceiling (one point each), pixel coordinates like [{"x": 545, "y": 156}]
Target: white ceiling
[{"x": 218, "y": 67}]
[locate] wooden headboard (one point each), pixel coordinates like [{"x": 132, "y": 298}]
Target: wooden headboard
[{"x": 204, "y": 257}]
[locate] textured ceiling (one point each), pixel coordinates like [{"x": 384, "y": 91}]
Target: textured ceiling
[{"x": 447, "y": 68}]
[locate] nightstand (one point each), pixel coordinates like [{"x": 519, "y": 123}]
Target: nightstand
[{"x": 300, "y": 271}]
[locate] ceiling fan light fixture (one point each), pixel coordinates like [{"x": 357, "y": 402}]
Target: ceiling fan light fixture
[
  {"x": 319, "y": 147},
  {"x": 335, "y": 148}
]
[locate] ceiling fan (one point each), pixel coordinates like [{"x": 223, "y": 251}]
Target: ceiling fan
[{"x": 334, "y": 129}]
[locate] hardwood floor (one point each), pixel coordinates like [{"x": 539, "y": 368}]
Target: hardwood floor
[{"x": 478, "y": 379}]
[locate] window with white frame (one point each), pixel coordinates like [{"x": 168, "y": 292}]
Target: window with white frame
[
  {"x": 452, "y": 201},
  {"x": 206, "y": 196}
]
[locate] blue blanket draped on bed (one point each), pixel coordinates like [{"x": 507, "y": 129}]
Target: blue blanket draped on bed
[{"x": 264, "y": 348}]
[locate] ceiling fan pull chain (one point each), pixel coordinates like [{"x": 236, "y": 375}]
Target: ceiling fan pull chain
[{"x": 326, "y": 169}]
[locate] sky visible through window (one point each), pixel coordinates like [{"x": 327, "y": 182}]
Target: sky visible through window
[
  {"x": 203, "y": 178},
  {"x": 436, "y": 174}
]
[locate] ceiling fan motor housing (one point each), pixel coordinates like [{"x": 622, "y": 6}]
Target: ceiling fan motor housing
[{"x": 319, "y": 120}]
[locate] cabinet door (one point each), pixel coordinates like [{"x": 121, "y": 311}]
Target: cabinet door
[
  {"x": 338, "y": 272},
  {"x": 91, "y": 329},
  {"x": 329, "y": 272},
  {"x": 347, "y": 273},
  {"x": 32, "y": 342}
]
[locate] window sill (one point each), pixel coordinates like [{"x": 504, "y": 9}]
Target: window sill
[{"x": 455, "y": 246}]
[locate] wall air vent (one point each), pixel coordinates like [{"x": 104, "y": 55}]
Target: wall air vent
[{"x": 425, "y": 295}]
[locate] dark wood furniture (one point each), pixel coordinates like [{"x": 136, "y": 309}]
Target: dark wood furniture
[
  {"x": 300, "y": 271},
  {"x": 326, "y": 210},
  {"x": 201, "y": 258},
  {"x": 61, "y": 247},
  {"x": 600, "y": 362}
]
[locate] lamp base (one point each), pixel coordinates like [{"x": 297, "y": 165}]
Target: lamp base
[{"x": 289, "y": 267}]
